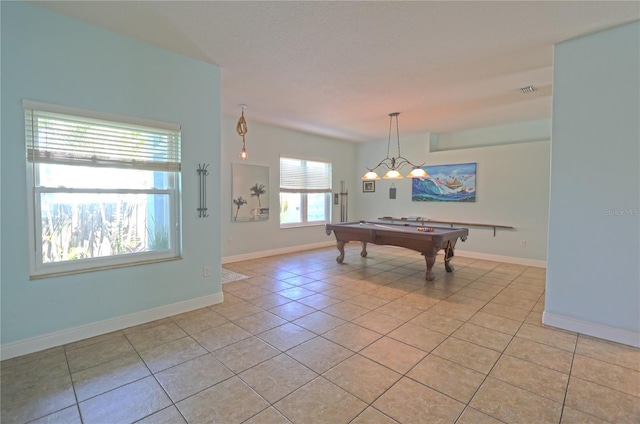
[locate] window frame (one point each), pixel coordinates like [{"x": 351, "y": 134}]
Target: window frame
[
  {"x": 304, "y": 204},
  {"x": 37, "y": 267}
]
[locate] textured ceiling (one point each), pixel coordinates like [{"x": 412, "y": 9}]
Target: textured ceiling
[{"x": 339, "y": 68}]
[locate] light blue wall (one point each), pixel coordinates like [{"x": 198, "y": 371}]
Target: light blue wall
[
  {"x": 512, "y": 188},
  {"x": 593, "y": 270},
  {"x": 265, "y": 144},
  {"x": 51, "y": 58}
]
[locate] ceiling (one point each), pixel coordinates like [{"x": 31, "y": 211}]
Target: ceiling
[{"x": 339, "y": 68}]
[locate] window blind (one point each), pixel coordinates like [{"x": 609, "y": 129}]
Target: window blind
[
  {"x": 59, "y": 138},
  {"x": 304, "y": 176}
]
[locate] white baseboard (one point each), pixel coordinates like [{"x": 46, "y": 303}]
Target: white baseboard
[
  {"x": 58, "y": 338},
  {"x": 592, "y": 329},
  {"x": 500, "y": 258},
  {"x": 274, "y": 252},
  {"x": 462, "y": 253}
]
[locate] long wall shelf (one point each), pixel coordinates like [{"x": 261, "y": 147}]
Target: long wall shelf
[{"x": 422, "y": 221}]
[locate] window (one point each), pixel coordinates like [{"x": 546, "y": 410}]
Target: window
[
  {"x": 305, "y": 192},
  {"x": 104, "y": 193}
]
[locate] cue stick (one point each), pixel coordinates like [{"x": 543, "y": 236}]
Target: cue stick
[
  {"x": 390, "y": 228},
  {"x": 341, "y": 201},
  {"x": 343, "y": 217},
  {"x": 346, "y": 205}
]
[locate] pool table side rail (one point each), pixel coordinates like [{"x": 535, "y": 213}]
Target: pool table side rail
[{"x": 419, "y": 241}]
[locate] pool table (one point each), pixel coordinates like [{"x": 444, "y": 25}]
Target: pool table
[{"x": 426, "y": 240}]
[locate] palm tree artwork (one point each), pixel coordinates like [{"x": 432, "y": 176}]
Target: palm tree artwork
[
  {"x": 256, "y": 191},
  {"x": 250, "y": 183},
  {"x": 238, "y": 202}
]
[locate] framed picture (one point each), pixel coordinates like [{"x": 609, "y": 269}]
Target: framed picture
[
  {"x": 249, "y": 193},
  {"x": 368, "y": 186},
  {"x": 446, "y": 183}
]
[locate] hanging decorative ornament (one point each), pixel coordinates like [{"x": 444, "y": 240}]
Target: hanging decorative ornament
[{"x": 241, "y": 129}]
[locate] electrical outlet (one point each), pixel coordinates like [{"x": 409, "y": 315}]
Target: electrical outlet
[
  {"x": 206, "y": 271},
  {"x": 523, "y": 243}
]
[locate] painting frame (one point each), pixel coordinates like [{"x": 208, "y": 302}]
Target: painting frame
[
  {"x": 249, "y": 193},
  {"x": 368, "y": 186},
  {"x": 446, "y": 183}
]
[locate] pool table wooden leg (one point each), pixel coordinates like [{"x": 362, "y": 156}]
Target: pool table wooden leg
[
  {"x": 447, "y": 266},
  {"x": 364, "y": 249},
  {"x": 448, "y": 254},
  {"x": 340, "y": 246},
  {"x": 430, "y": 260}
]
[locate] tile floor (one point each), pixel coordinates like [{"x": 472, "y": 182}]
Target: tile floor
[{"x": 306, "y": 340}]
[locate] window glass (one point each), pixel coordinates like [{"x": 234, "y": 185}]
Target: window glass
[
  {"x": 86, "y": 177},
  {"x": 290, "y": 208},
  {"x": 80, "y": 226},
  {"x": 316, "y": 207}
]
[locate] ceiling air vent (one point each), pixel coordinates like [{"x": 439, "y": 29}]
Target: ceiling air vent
[{"x": 528, "y": 89}]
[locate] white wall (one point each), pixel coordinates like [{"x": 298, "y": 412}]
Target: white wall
[
  {"x": 52, "y": 58},
  {"x": 593, "y": 275},
  {"x": 512, "y": 189},
  {"x": 538, "y": 130},
  {"x": 265, "y": 144}
]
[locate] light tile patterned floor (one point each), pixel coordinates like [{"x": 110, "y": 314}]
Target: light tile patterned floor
[{"x": 306, "y": 340}]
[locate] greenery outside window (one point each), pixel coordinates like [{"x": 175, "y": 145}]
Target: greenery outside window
[
  {"x": 305, "y": 192},
  {"x": 104, "y": 190}
]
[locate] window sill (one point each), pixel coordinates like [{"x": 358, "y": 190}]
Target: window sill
[
  {"x": 101, "y": 268},
  {"x": 321, "y": 224}
]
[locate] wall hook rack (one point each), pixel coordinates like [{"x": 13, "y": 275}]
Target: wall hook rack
[{"x": 202, "y": 183}]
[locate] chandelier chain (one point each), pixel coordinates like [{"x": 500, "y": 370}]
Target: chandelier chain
[
  {"x": 398, "y": 135},
  {"x": 389, "y": 140}
]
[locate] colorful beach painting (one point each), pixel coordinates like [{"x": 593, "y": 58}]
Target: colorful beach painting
[{"x": 446, "y": 183}]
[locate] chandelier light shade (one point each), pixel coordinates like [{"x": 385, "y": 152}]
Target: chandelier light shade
[
  {"x": 371, "y": 175},
  {"x": 393, "y": 164},
  {"x": 392, "y": 174},
  {"x": 418, "y": 173},
  {"x": 241, "y": 129}
]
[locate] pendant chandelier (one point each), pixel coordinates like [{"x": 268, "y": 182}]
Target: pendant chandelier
[
  {"x": 395, "y": 163},
  {"x": 241, "y": 129}
]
